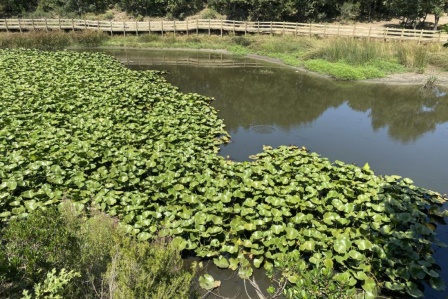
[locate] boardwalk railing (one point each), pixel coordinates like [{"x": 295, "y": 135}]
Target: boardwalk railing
[{"x": 223, "y": 26}]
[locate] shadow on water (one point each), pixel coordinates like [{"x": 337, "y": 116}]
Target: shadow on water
[{"x": 396, "y": 129}]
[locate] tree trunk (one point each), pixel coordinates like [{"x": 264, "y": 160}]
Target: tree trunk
[{"x": 436, "y": 21}]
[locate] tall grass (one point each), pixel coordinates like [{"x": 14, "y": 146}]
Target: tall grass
[
  {"x": 53, "y": 40},
  {"x": 38, "y": 39},
  {"x": 351, "y": 51}
]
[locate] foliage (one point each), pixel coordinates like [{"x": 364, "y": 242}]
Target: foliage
[
  {"x": 30, "y": 251},
  {"x": 413, "y": 13},
  {"x": 105, "y": 262},
  {"x": 52, "y": 285},
  {"x": 89, "y": 38},
  {"x": 38, "y": 40},
  {"x": 318, "y": 282},
  {"x": 142, "y": 270},
  {"x": 82, "y": 127},
  {"x": 52, "y": 40}
]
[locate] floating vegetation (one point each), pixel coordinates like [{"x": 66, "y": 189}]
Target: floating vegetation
[{"x": 83, "y": 127}]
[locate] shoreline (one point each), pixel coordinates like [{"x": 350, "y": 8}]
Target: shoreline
[{"x": 407, "y": 78}]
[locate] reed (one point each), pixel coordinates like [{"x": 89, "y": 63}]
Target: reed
[
  {"x": 38, "y": 40},
  {"x": 53, "y": 40}
]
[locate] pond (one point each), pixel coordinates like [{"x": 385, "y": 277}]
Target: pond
[{"x": 397, "y": 129}]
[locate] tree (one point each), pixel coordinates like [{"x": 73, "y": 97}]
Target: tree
[{"x": 10, "y": 8}]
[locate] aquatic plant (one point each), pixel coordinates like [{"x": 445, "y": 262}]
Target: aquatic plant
[{"x": 82, "y": 127}]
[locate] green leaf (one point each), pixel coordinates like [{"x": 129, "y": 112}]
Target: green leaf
[
  {"x": 292, "y": 233},
  {"x": 180, "y": 243},
  {"x": 341, "y": 244},
  {"x": 412, "y": 289},
  {"x": 363, "y": 244},
  {"x": 308, "y": 246},
  {"x": 437, "y": 284},
  {"x": 221, "y": 262},
  {"x": 207, "y": 282}
]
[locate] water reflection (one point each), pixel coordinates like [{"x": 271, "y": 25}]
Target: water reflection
[
  {"x": 255, "y": 96},
  {"x": 397, "y": 129}
]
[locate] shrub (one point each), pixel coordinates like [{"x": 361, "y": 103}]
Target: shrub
[
  {"x": 104, "y": 262},
  {"x": 146, "y": 270},
  {"x": 36, "y": 245},
  {"x": 89, "y": 38},
  {"x": 241, "y": 41},
  {"x": 53, "y": 285}
]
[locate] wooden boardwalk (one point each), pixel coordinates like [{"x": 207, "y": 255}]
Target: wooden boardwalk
[{"x": 222, "y": 27}]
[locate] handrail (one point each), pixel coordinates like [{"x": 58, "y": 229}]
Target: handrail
[{"x": 220, "y": 26}]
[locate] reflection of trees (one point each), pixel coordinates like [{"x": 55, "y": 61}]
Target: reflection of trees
[
  {"x": 404, "y": 110},
  {"x": 248, "y": 97},
  {"x": 277, "y": 96}
]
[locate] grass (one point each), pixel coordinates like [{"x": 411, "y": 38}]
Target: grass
[
  {"x": 341, "y": 58},
  {"x": 53, "y": 40}
]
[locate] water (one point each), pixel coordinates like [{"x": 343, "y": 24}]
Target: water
[{"x": 396, "y": 129}]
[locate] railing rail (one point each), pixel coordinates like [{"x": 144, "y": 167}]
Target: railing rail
[{"x": 224, "y": 26}]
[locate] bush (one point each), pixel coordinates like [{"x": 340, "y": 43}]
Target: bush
[
  {"x": 241, "y": 41},
  {"x": 343, "y": 71},
  {"x": 34, "y": 246},
  {"x": 143, "y": 270},
  {"x": 89, "y": 38},
  {"x": 102, "y": 261},
  {"x": 53, "y": 285}
]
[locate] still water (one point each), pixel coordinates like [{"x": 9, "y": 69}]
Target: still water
[{"x": 399, "y": 130}]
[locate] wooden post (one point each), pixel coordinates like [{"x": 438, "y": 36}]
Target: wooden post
[
  {"x": 85, "y": 24},
  {"x": 98, "y": 25},
  {"x": 59, "y": 21},
  {"x": 46, "y": 25},
  {"x": 271, "y": 28},
  {"x": 209, "y": 33},
  {"x": 188, "y": 31},
  {"x": 310, "y": 29},
  {"x": 111, "y": 30},
  {"x": 136, "y": 28},
  {"x": 221, "y": 27},
  {"x": 6, "y": 24},
  {"x": 149, "y": 27},
  {"x": 297, "y": 29},
  {"x": 420, "y": 37},
  {"x": 162, "y": 28},
  {"x": 32, "y": 23},
  {"x": 197, "y": 26},
  {"x": 401, "y": 36},
  {"x": 339, "y": 26},
  {"x": 234, "y": 27},
  {"x": 245, "y": 28},
  {"x": 325, "y": 30},
  {"x": 385, "y": 33},
  {"x": 20, "y": 26},
  {"x": 284, "y": 28},
  {"x": 73, "y": 25},
  {"x": 174, "y": 27},
  {"x": 258, "y": 27},
  {"x": 124, "y": 28},
  {"x": 354, "y": 29},
  {"x": 440, "y": 36},
  {"x": 370, "y": 30}
]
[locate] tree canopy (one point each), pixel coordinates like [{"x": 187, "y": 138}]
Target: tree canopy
[{"x": 412, "y": 12}]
